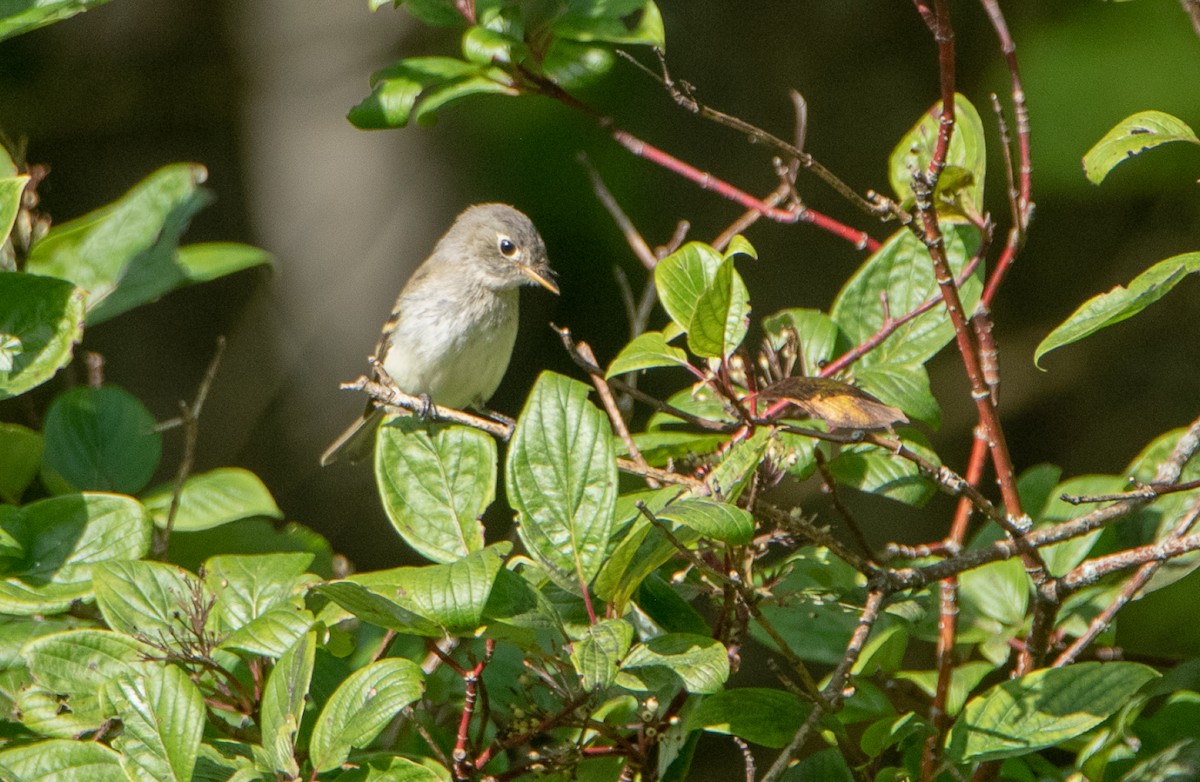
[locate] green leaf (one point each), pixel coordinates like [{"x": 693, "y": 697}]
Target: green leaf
[
  {"x": 818, "y": 336},
  {"x": 485, "y": 46},
  {"x": 435, "y": 483},
  {"x": 11, "y": 189},
  {"x": 731, "y": 477},
  {"x": 902, "y": 271},
  {"x": 250, "y": 536},
  {"x": 963, "y": 679},
  {"x": 394, "y": 768},
  {"x": 208, "y": 261},
  {"x": 213, "y": 498},
  {"x": 584, "y": 23},
  {"x": 1061, "y": 558},
  {"x": 417, "y": 86},
  {"x": 449, "y": 597},
  {"x": 62, "y": 760},
  {"x": 1043, "y": 709},
  {"x": 283, "y": 704},
  {"x": 961, "y": 183},
  {"x": 372, "y": 607},
  {"x": 1107, "y": 309},
  {"x": 756, "y": 714},
  {"x": 21, "y": 16},
  {"x": 878, "y": 471},
  {"x": 20, "y": 457},
  {"x": 715, "y": 520},
  {"x": 162, "y": 714},
  {"x": 41, "y": 319},
  {"x": 124, "y": 253},
  {"x": 660, "y": 447},
  {"x": 63, "y": 538},
  {"x": 361, "y": 707},
  {"x": 826, "y": 765},
  {"x": 721, "y": 319},
  {"x": 596, "y": 654},
  {"x": 271, "y": 634},
  {"x": 562, "y": 480},
  {"x": 100, "y": 439},
  {"x": 647, "y": 351},
  {"x": 83, "y": 661},
  {"x": 683, "y": 277},
  {"x": 144, "y": 599},
  {"x": 572, "y": 64},
  {"x": 1132, "y": 136},
  {"x": 248, "y": 588},
  {"x": 697, "y": 663},
  {"x": 438, "y": 13}
]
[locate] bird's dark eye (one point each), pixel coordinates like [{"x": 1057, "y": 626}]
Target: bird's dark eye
[{"x": 508, "y": 248}]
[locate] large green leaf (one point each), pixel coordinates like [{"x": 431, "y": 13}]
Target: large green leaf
[
  {"x": 1107, "y": 309},
  {"x": 905, "y": 386},
  {"x": 1132, "y": 136},
  {"x": 435, "y": 483},
  {"x": 62, "y": 539},
  {"x": 100, "y": 439},
  {"x": 21, "y": 16},
  {"x": 250, "y": 587},
  {"x": 714, "y": 520},
  {"x": 62, "y": 760},
  {"x": 451, "y": 597},
  {"x": 611, "y": 22},
  {"x": 817, "y": 334},
  {"x": 966, "y": 160},
  {"x": 757, "y": 714},
  {"x": 902, "y": 272},
  {"x": 878, "y": 471},
  {"x": 162, "y": 716},
  {"x": 123, "y": 254},
  {"x": 697, "y": 663},
  {"x": 1043, "y": 709},
  {"x": 361, "y": 707},
  {"x": 213, "y": 498},
  {"x": 562, "y": 480},
  {"x": 283, "y": 704},
  {"x": 415, "y": 87},
  {"x": 41, "y": 319},
  {"x": 144, "y": 599}
]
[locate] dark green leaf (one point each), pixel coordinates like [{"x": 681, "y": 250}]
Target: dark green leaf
[
  {"x": 1042, "y": 709},
  {"x": 250, "y": 536},
  {"x": 583, "y": 23},
  {"x": 878, "y": 471},
  {"x": 1107, "y": 309},
  {"x": 213, "y": 498},
  {"x": 100, "y": 439},
  {"x": 1132, "y": 136},
  {"x": 905, "y": 386},
  {"x": 817, "y": 334},
  {"x": 902, "y": 271},
  {"x": 562, "y": 479},
  {"x": 756, "y": 714},
  {"x": 361, "y": 707},
  {"x": 435, "y": 483},
  {"x": 41, "y": 319},
  {"x": 20, "y": 457},
  {"x": 573, "y": 64},
  {"x": 647, "y": 351}
]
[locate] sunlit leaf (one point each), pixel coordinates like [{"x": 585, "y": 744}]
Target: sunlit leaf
[
  {"x": 25, "y": 15},
  {"x": 418, "y": 85},
  {"x": 966, "y": 160},
  {"x": 1131, "y": 137},
  {"x": 213, "y": 498},
  {"x": 647, "y": 351},
  {"x": 721, "y": 317},
  {"x": 41, "y": 319},
  {"x": 361, "y": 707}
]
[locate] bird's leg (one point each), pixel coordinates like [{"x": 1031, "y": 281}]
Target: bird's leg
[{"x": 426, "y": 411}]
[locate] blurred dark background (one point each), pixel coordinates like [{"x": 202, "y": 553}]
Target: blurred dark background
[{"x": 258, "y": 92}]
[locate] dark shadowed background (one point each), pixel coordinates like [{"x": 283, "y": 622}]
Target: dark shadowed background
[{"x": 258, "y": 91}]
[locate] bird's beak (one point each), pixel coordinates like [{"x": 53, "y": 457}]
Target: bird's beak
[{"x": 542, "y": 275}]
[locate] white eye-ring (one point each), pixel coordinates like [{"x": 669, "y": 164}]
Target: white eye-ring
[{"x": 508, "y": 248}]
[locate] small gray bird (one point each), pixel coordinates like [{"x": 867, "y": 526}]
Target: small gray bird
[{"x": 451, "y": 333}]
